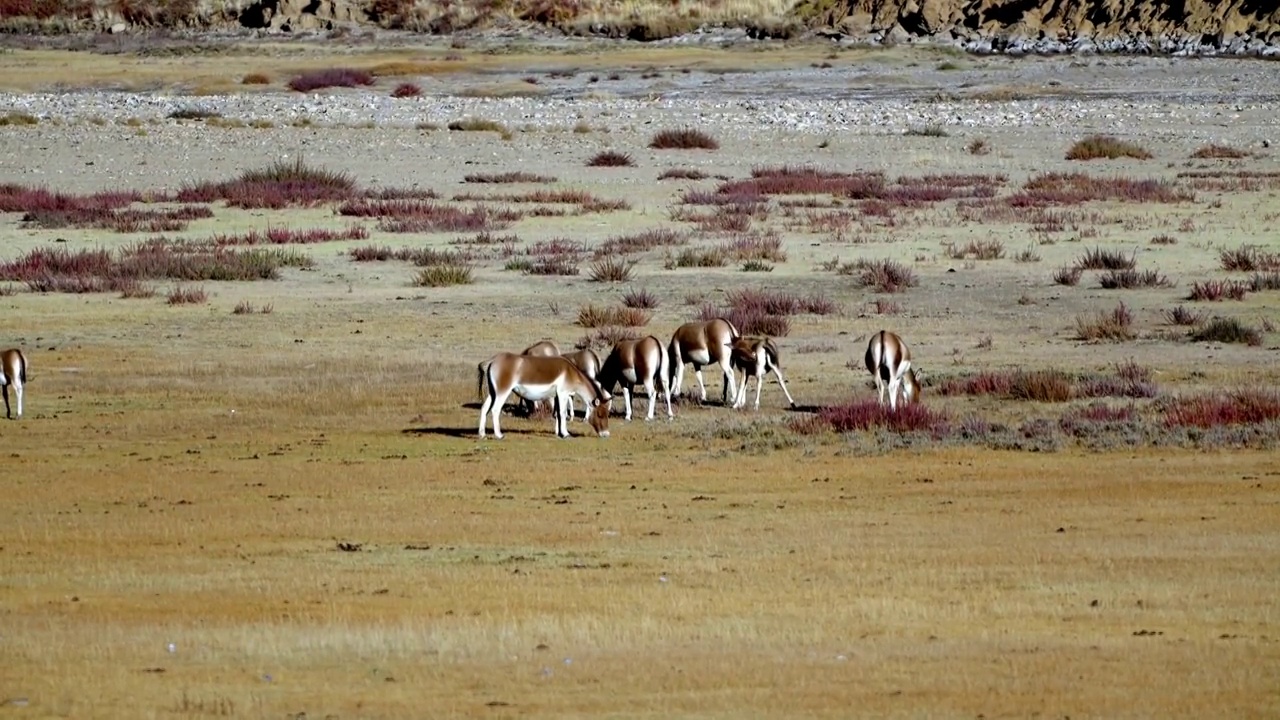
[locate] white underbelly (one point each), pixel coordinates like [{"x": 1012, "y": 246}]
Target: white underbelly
[
  {"x": 700, "y": 356},
  {"x": 535, "y": 392}
]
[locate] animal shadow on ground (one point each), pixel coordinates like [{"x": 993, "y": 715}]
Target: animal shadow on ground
[
  {"x": 806, "y": 408},
  {"x": 468, "y": 433}
]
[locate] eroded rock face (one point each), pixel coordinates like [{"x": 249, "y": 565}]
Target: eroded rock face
[
  {"x": 1061, "y": 19},
  {"x": 1241, "y": 27}
]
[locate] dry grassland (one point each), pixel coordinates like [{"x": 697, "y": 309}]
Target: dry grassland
[{"x": 289, "y": 515}]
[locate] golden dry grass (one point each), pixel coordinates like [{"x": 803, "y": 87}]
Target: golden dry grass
[{"x": 571, "y": 578}]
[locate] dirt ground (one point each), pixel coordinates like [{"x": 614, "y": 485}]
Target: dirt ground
[{"x": 289, "y": 514}]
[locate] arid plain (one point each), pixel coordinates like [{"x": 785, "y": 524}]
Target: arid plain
[{"x": 272, "y": 503}]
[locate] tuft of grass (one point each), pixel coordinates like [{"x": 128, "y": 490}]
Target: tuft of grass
[
  {"x": 193, "y": 113},
  {"x": 18, "y": 118},
  {"x": 1220, "y": 409},
  {"x": 1115, "y": 325},
  {"x": 1181, "y": 315},
  {"x": 1265, "y": 281},
  {"x": 884, "y": 275},
  {"x": 1096, "y": 147},
  {"x": 611, "y": 158},
  {"x": 926, "y": 131},
  {"x": 640, "y": 242},
  {"x": 132, "y": 290},
  {"x": 1099, "y": 259},
  {"x": 279, "y": 185},
  {"x": 640, "y": 298},
  {"x": 444, "y": 275},
  {"x": 682, "y": 174},
  {"x": 606, "y": 337},
  {"x": 868, "y": 414},
  {"x": 699, "y": 257},
  {"x": 406, "y": 90},
  {"x": 757, "y": 266},
  {"x": 1248, "y": 258},
  {"x": 330, "y": 77},
  {"x": 474, "y": 124},
  {"x": 1027, "y": 255},
  {"x": 1164, "y": 239},
  {"x": 185, "y": 295},
  {"x": 1129, "y": 279},
  {"x": 256, "y": 78},
  {"x": 978, "y": 146},
  {"x": 977, "y": 249},
  {"x": 1218, "y": 152},
  {"x": 515, "y": 176},
  {"x": 683, "y": 139},
  {"x": 1068, "y": 275},
  {"x": 610, "y": 269},
  {"x": 1227, "y": 330},
  {"x": 1217, "y": 290}
]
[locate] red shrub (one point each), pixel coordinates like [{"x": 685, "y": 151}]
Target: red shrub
[
  {"x": 867, "y": 414},
  {"x": 1216, "y": 409},
  {"x": 331, "y": 77}
]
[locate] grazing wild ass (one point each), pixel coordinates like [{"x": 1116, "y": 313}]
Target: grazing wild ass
[
  {"x": 889, "y": 359},
  {"x": 702, "y": 344},
  {"x": 589, "y": 363},
  {"x": 756, "y": 357},
  {"x": 542, "y": 348},
  {"x": 13, "y": 371},
  {"x": 539, "y": 378},
  {"x": 637, "y": 362}
]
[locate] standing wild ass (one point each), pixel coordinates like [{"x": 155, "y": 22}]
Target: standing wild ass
[
  {"x": 701, "y": 344},
  {"x": 637, "y": 362},
  {"x": 889, "y": 359},
  {"x": 757, "y": 357},
  {"x": 13, "y": 371},
  {"x": 539, "y": 378},
  {"x": 589, "y": 363}
]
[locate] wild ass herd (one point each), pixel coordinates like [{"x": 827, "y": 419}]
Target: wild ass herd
[{"x": 541, "y": 372}]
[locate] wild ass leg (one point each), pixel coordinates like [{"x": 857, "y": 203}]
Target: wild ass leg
[
  {"x": 702, "y": 387},
  {"x": 880, "y": 383},
  {"x": 729, "y": 376},
  {"x": 777, "y": 372},
  {"x": 896, "y": 386},
  {"x": 560, "y": 407},
  {"x": 5, "y": 389},
  {"x": 493, "y": 404},
  {"x": 626, "y": 398},
  {"x": 652, "y": 391}
]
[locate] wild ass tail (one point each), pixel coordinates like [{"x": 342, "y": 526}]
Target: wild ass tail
[
  {"x": 666, "y": 366},
  {"x": 481, "y": 369},
  {"x": 672, "y": 362},
  {"x": 22, "y": 367}
]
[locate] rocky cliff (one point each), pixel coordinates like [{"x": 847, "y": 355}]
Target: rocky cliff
[
  {"x": 1142, "y": 25},
  {"x": 1239, "y": 26}
]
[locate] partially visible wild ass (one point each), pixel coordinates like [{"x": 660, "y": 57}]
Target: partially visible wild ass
[
  {"x": 539, "y": 378},
  {"x": 889, "y": 359},
  {"x": 757, "y": 357},
  {"x": 637, "y": 362},
  {"x": 703, "y": 343},
  {"x": 13, "y": 371},
  {"x": 589, "y": 363}
]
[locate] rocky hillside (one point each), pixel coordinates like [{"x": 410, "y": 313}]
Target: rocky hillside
[
  {"x": 1233, "y": 26},
  {"x": 1141, "y": 25}
]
